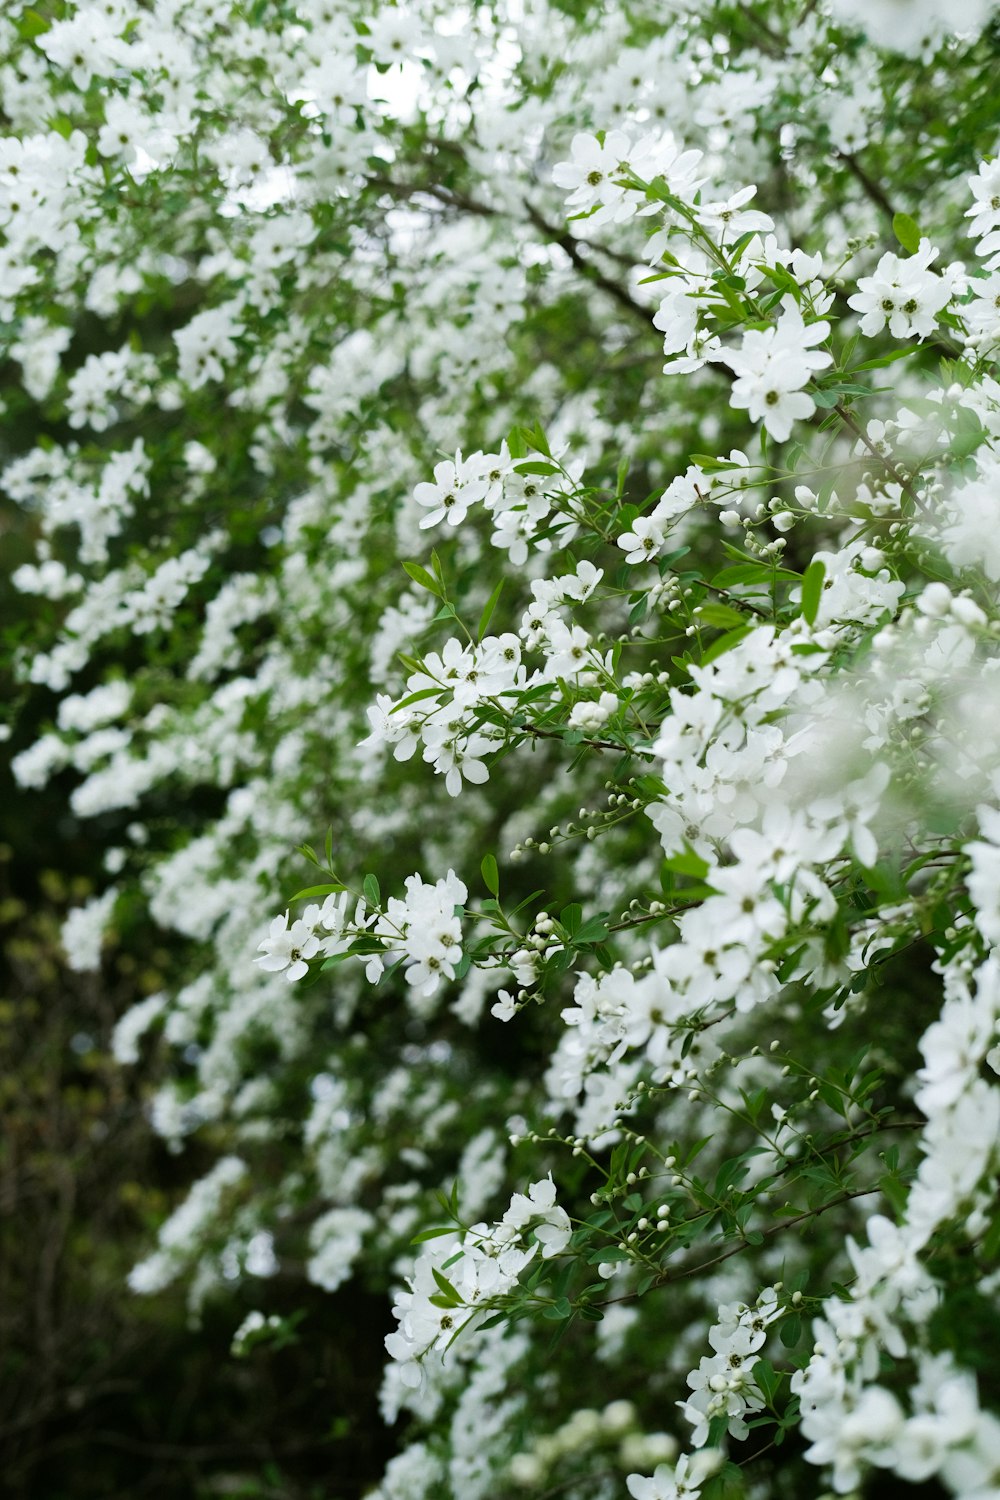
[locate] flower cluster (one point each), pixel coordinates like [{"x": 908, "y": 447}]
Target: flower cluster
[
  {"x": 604, "y": 525},
  {"x": 483, "y": 1265}
]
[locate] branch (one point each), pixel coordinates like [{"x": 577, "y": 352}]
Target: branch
[
  {"x": 683, "y": 1272},
  {"x": 871, "y": 187},
  {"x": 553, "y": 233},
  {"x": 890, "y": 468}
]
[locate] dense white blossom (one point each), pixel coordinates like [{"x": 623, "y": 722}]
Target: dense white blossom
[{"x": 554, "y": 450}]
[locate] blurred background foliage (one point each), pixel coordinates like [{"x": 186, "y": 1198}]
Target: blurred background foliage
[{"x": 103, "y": 1393}]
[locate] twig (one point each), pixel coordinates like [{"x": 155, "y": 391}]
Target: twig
[{"x": 872, "y": 189}]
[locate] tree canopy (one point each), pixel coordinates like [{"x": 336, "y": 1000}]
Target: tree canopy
[{"x": 504, "y": 513}]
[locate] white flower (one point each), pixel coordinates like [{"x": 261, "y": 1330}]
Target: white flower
[
  {"x": 504, "y": 1007},
  {"x": 644, "y": 541},
  {"x": 457, "y": 485},
  {"x": 288, "y": 948},
  {"x": 903, "y": 294},
  {"x": 680, "y": 1481},
  {"x": 592, "y": 177},
  {"x": 728, "y": 219},
  {"x": 771, "y": 367}
]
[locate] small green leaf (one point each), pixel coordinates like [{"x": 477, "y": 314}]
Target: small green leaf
[
  {"x": 516, "y": 446},
  {"x": 536, "y": 437},
  {"x": 887, "y": 359},
  {"x": 432, "y": 1234},
  {"x": 31, "y": 25},
  {"x": 907, "y": 232},
  {"x": 594, "y": 930},
  {"x": 638, "y": 611},
  {"x": 720, "y": 615},
  {"x": 725, "y": 643},
  {"x": 372, "y": 893},
  {"x": 534, "y": 466},
  {"x": 767, "y": 1380},
  {"x": 487, "y": 614},
  {"x": 446, "y": 1289},
  {"x": 417, "y": 697},
  {"x": 570, "y": 918},
  {"x": 687, "y": 863},
  {"x": 711, "y": 465},
  {"x": 812, "y": 589},
  {"x": 426, "y": 580},
  {"x": 490, "y": 874},
  {"x": 791, "y": 1331},
  {"x": 318, "y": 890}
]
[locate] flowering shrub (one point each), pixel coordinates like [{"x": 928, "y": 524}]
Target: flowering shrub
[{"x": 558, "y": 453}]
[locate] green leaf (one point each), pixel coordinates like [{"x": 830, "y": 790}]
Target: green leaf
[
  {"x": 758, "y": 573},
  {"x": 372, "y": 894},
  {"x": 785, "y": 281},
  {"x": 417, "y": 697},
  {"x": 725, "y": 643},
  {"x": 487, "y": 614},
  {"x": 638, "y": 611},
  {"x": 711, "y": 465},
  {"x": 490, "y": 874},
  {"x": 432, "y": 1234},
  {"x": 791, "y": 1331},
  {"x": 767, "y": 1380},
  {"x": 720, "y": 615},
  {"x": 570, "y": 918},
  {"x": 318, "y": 890},
  {"x": 536, "y": 437},
  {"x": 446, "y": 1289},
  {"x": 907, "y": 232},
  {"x": 594, "y": 930},
  {"x": 812, "y": 589},
  {"x": 533, "y": 466},
  {"x": 687, "y": 863},
  {"x": 32, "y": 24},
  {"x": 335, "y": 959},
  {"x": 426, "y": 580},
  {"x": 887, "y": 359},
  {"x": 516, "y": 446},
  {"x": 698, "y": 1147}
]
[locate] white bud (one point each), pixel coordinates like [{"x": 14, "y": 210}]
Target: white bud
[{"x": 935, "y": 600}]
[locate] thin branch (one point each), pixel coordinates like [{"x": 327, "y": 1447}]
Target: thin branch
[
  {"x": 553, "y": 233},
  {"x": 890, "y": 468},
  {"x": 572, "y": 248},
  {"x": 683, "y": 1272},
  {"x": 870, "y": 186}
]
